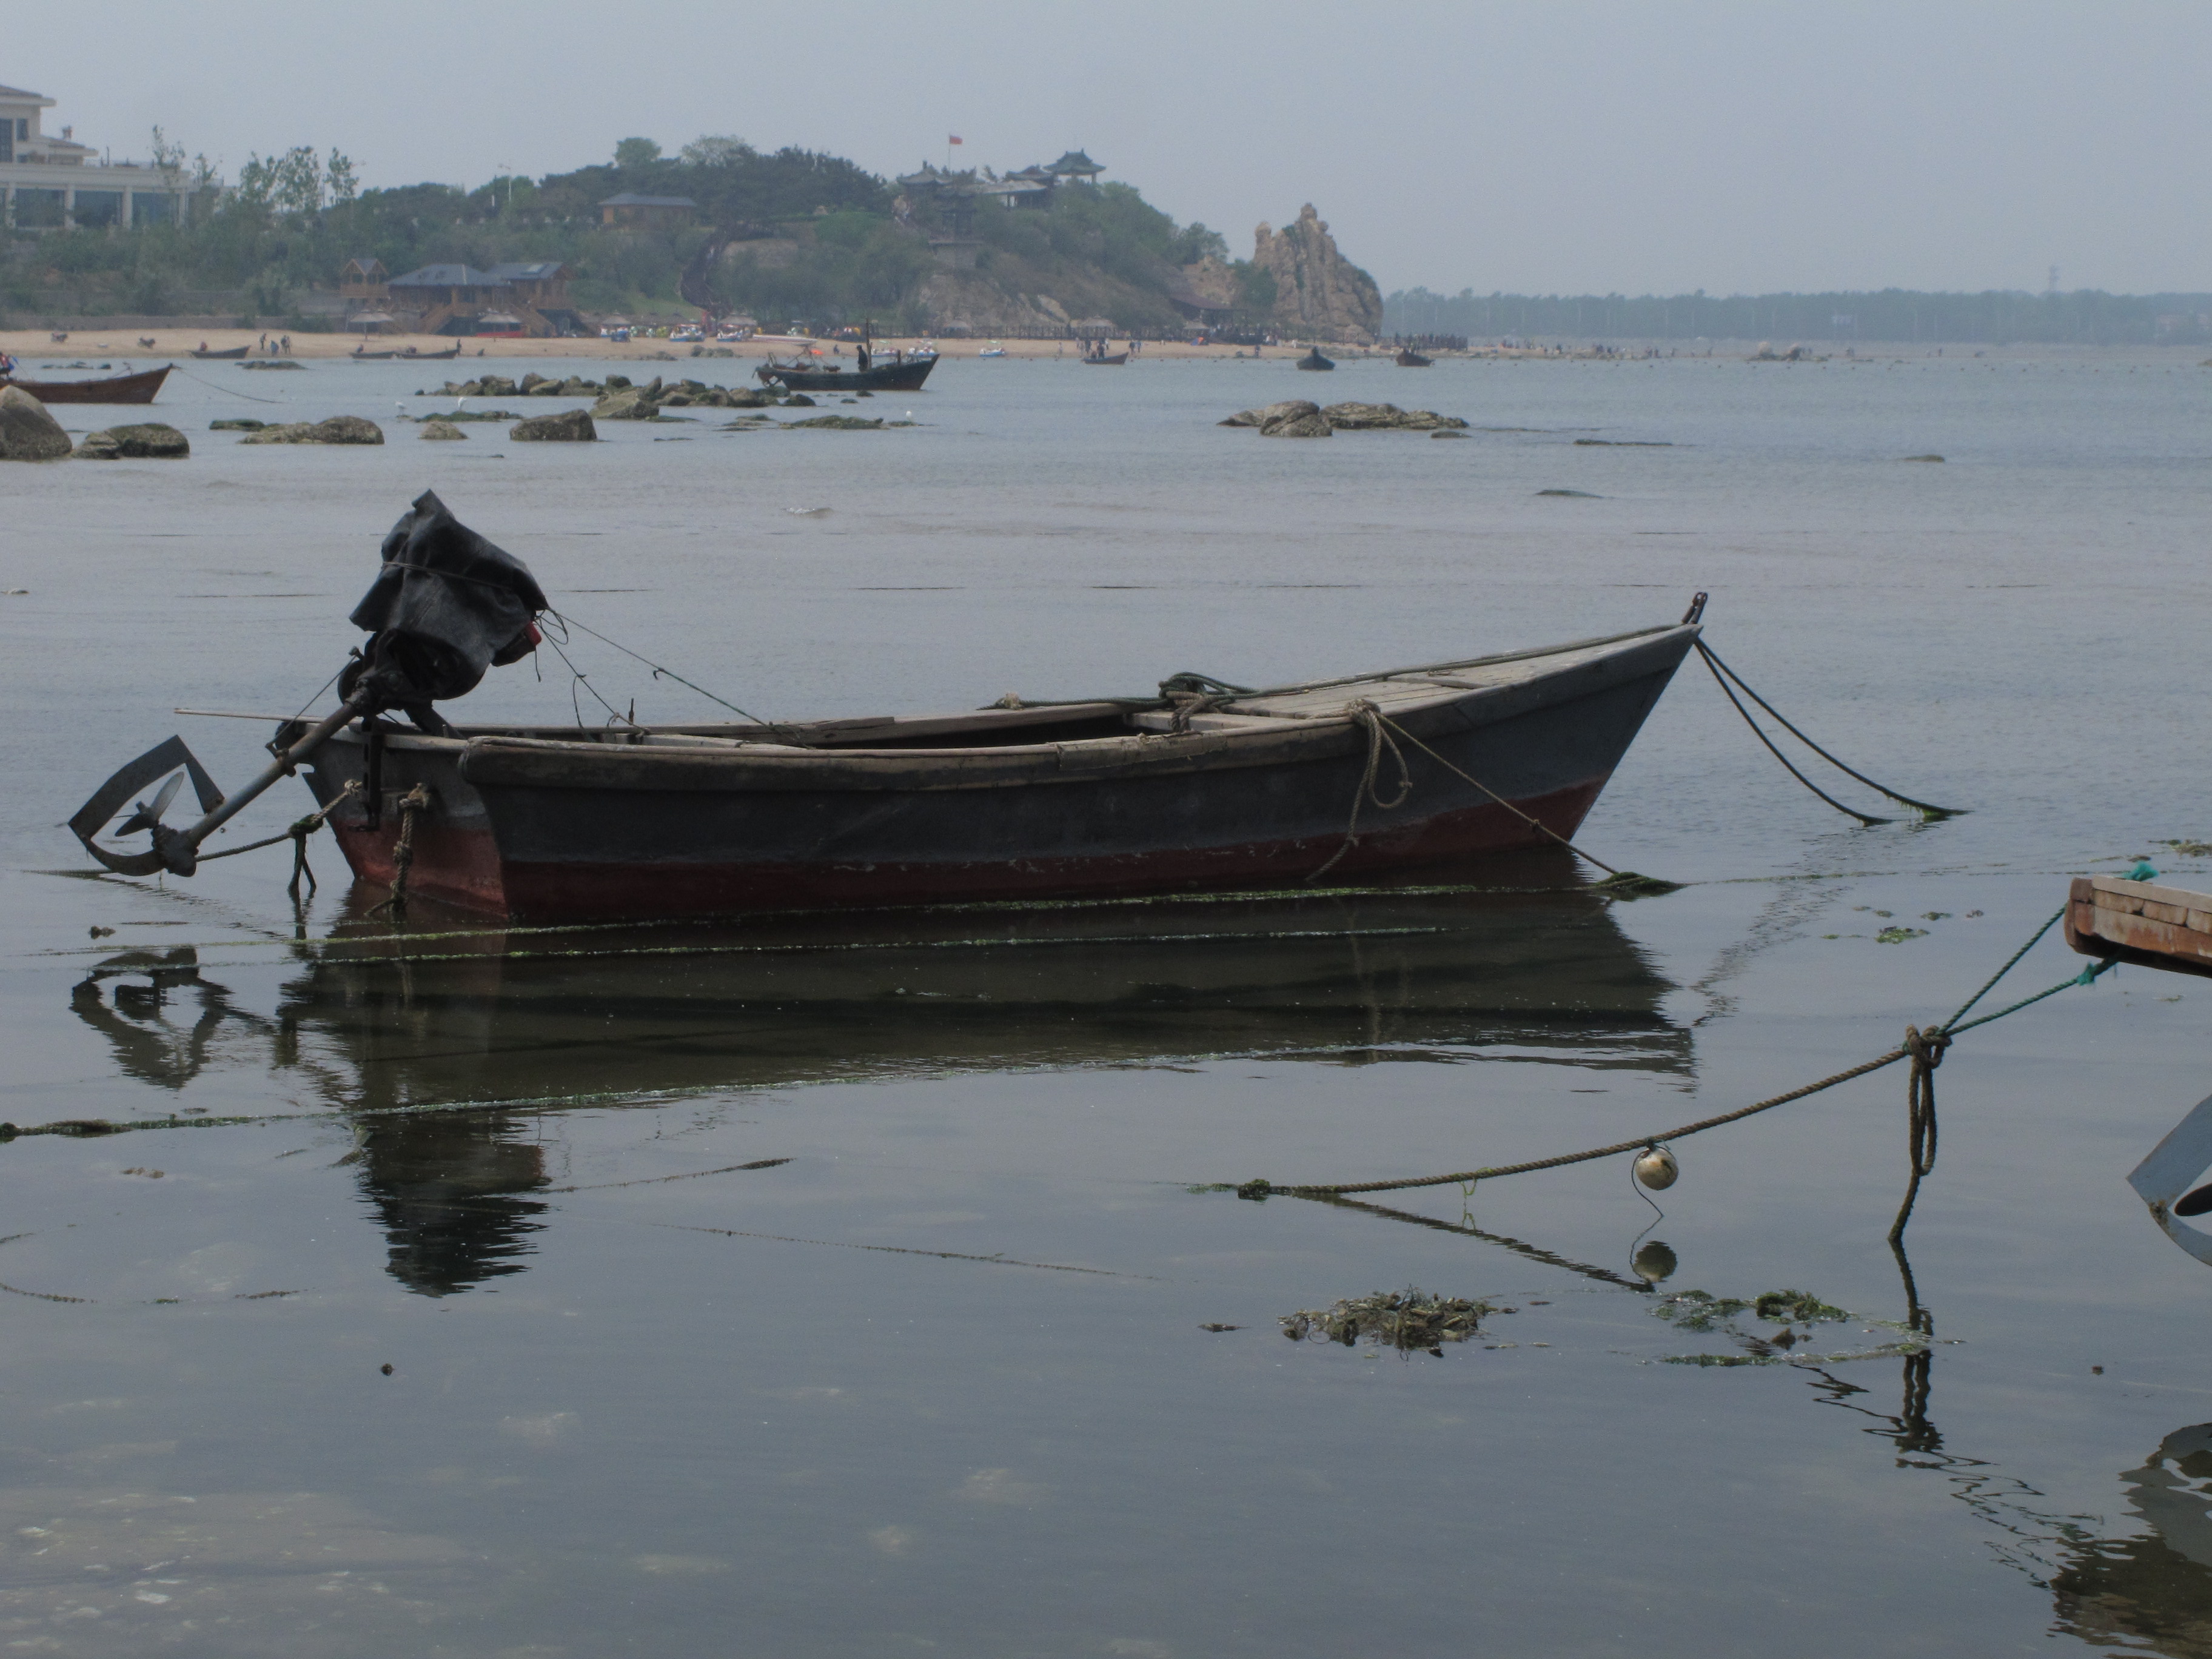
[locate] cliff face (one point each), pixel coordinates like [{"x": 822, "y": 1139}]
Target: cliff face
[{"x": 1318, "y": 293}]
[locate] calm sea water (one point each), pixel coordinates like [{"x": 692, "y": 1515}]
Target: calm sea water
[{"x": 562, "y": 1376}]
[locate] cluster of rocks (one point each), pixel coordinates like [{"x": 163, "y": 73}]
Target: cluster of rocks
[
  {"x": 530, "y": 385},
  {"x": 618, "y": 398},
  {"x": 29, "y": 432},
  {"x": 339, "y": 429},
  {"x": 1299, "y": 419}
]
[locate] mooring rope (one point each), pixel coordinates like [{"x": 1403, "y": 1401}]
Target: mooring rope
[
  {"x": 1365, "y": 713},
  {"x": 1614, "y": 877},
  {"x": 1722, "y": 674},
  {"x": 1924, "y": 1048}
]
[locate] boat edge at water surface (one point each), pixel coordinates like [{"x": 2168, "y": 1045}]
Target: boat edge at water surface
[{"x": 1101, "y": 799}]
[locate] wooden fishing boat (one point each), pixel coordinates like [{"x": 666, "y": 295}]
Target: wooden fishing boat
[
  {"x": 1105, "y": 359},
  {"x": 205, "y": 355},
  {"x": 905, "y": 375},
  {"x": 116, "y": 389},
  {"x": 1410, "y": 358},
  {"x": 413, "y": 355},
  {"x": 357, "y": 355},
  {"x": 2144, "y": 922},
  {"x": 1205, "y": 786},
  {"x": 1314, "y": 360}
]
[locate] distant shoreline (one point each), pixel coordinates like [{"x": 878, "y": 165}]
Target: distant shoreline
[{"x": 118, "y": 346}]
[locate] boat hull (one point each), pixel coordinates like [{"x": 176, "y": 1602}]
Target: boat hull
[
  {"x": 119, "y": 389},
  {"x": 906, "y": 376},
  {"x": 545, "y": 831}
]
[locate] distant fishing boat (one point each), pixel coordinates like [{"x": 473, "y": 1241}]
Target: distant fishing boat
[
  {"x": 360, "y": 356},
  {"x": 994, "y": 350},
  {"x": 1105, "y": 359},
  {"x": 1313, "y": 359},
  {"x": 205, "y": 355},
  {"x": 412, "y": 355},
  {"x": 1410, "y": 358},
  {"x": 118, "y": 389},
  {"x": 900, "y": 375}
]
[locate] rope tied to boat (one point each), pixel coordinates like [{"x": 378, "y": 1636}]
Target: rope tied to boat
[
  {"x": 297, "y": 834},
  {"x": 1723, "y": 675},
  {"x": 1366, "y": 715},
  {"x": 411, "y": 806}
]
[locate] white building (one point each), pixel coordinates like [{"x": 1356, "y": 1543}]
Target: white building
[{"x": 49, "y": 183}]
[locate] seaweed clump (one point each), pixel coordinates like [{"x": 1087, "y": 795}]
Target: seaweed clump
[
  {"x": 1701, "y": 1310},
  {"x": 1404, "y": 1320}
]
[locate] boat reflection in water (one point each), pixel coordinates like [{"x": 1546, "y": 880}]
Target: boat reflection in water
[
  {"x": 375, "y": 1023},
  {"x": 2150, "y": 1593}
]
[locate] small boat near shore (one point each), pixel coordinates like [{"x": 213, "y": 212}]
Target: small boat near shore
[
  {"x": 230, "y": 352},
  {"x": 1200, "y": 785},
  {"x": 2144, "y": 922},
  {"x": 1314, "y": 360},
  {"x": 1410, "y": 358},
  {"x": 115, "y": 389},
  {"x": 1105, "y": 359}
]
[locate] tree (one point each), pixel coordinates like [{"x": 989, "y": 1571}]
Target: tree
[
  {"x": 636, "y": 153},
  {"x": 711, "y": 150},
  {"x": 345, "y": 183}
]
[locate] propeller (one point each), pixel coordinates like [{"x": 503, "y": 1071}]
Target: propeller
[{"x": 149, "y": 818}]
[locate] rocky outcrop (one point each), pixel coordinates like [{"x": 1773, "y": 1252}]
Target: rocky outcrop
[
  {"x": 1379, "y": 418},
  {"x": 238, "y": 425},
  {"x": 435, "y": 427},
  {"x": 151, "y": 441},
  {"x": 27, "y": 432},
  {"x": 1299, "y": 419},
  {"x": 339, "y": 429},
  {"x": 634, "y": 403},
  {"x": 1319, "y": 295},
  {"x": 570, "y": 426},
  {"x": 1294, "y": 419}
]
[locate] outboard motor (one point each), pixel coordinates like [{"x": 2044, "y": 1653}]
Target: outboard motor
[{"x": 447, "y": 606}]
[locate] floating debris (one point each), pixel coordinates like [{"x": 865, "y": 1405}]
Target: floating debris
[
  {"x": 1701, "y": 1310},
  {"x": 1404, "y": 1320}
]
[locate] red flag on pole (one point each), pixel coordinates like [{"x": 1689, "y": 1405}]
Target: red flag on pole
[{"x": 951, "y": 138}]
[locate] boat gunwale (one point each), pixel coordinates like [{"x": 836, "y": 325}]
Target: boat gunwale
[{"x": 1258, "y": 741}]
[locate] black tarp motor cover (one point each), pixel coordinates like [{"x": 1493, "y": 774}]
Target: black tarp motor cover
[{"x": 446, "y": 605}]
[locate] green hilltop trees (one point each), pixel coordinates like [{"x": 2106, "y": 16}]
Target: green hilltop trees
[{"x": 788, "y": 233}]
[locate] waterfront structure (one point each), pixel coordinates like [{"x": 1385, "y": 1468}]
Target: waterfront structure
[
  {"x": 647, "y": 212},
  {"x": 459, "y": 299},
  {"x": 50, "y": 182}
]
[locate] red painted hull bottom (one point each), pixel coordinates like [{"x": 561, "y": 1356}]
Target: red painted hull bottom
[{"x": 463, "y": 868}]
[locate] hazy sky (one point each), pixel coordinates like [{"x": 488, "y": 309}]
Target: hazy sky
[{"x": 1559, "y": 146}]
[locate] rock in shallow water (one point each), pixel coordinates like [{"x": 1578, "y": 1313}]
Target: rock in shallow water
[
  {"x": 436, "y": 429},
  {"x": 150, "y": 441},
  {"x": 27, "y": 432},
  {"x": 339, "y": 429},
  {"x": 570, "y": 426}
]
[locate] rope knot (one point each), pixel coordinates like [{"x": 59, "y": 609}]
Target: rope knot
[{"x": 1927, "y": 1047}]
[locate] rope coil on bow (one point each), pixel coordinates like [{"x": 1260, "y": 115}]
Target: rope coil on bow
[{"x": 1364, "y": 713}]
